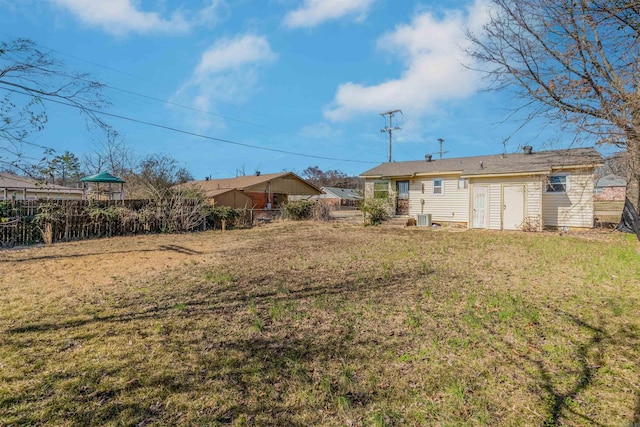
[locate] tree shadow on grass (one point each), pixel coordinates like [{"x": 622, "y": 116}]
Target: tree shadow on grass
[
  {"x": 260, "y": 377},
  {"x": 589, "y": 355},
  {"x": 162, "y": 248},
  {"x": 218, "y": 299},
  {"x": 247, "y": 366}
]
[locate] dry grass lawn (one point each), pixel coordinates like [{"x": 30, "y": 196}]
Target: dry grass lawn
[{"x": 298, "y": 324}]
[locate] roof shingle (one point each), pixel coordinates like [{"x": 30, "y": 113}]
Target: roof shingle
[{"x": 536, "y": 162}]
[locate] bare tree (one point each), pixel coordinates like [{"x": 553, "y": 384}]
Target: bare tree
[
  {"x": 575, "y": 62},
  {"x": 155, "y": 175},
  {"x": 29, "y": 79},
  {"x": 329, "y": 178},
  {"x": 111, "y": 155}
]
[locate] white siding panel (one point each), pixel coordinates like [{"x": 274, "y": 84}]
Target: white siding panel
[
  {"x": 571, "y": 209},
  {"x": 452, "y": 206},
  {"x": 533, "y": 199}
]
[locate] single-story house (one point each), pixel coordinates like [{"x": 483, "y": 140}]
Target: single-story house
[
  {"x": 338, "y": 197},
  {"x": 14, "y": 187},
  {"x": 528, "y": 190},
  {"x": 610, "y": 188},
  {"x": 259, "y": 191}
]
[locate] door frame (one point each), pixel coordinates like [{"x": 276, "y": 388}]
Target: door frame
[
  {"x": 472, "y": 206},
  {"x": 504, "y": 206},
  {"x": 404, "y": 199}
]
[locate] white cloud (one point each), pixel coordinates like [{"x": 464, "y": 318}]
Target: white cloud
[
  {"x": 431, "y": 50},
  {"x": 121, "y": 17},
  {"x": 227, "y": 72},
  {"x": 315, "y": 12},
  {"x": 234, "y": 53}
]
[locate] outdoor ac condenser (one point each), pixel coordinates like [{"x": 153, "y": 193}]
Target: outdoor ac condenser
[{"x": 424, "y": 220}]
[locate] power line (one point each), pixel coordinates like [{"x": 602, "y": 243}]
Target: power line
[
  {"x": 186, "y": 107},
  {"x": 258, "y": 125},
  {"x": 87, "y": 61},
  {"x": 131, "y": 119}
]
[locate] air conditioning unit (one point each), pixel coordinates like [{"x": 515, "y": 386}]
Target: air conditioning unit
[{"x": 423, "y": 220}]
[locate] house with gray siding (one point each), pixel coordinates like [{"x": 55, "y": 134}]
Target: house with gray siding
[{"x": 528, "y": 190}]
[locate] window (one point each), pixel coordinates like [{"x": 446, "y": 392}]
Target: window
[
  {"x": 463, "y": 183},
  {"x": 597, "y": 190},
  {"x": 381, "y": 190},
  {"x": 403, "y": 189},
  {"x": 557, "y": 184},
  {"x": 438, "y": 186}
]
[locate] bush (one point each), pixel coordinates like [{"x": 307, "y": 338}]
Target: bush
[
  {"x": 299, "y": 210},
  {"x": 322, "y": 212},
  {"x": 217, "y": 214},
  {"x": 376, "y": 210}
]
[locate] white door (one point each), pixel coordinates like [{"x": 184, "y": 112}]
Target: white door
[
  {"x": 513, "y": 207},
  {"x": 479, "y": 218}
]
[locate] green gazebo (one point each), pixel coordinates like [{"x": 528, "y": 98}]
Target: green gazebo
[{"x": 107, "y": 191}]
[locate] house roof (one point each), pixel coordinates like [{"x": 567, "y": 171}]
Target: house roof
[
  {"x": 256, "y": 183},
  {"x": 540, "y": 162},
  {"x": 611, "y": 181},
  {"x": 342, "y": 193},
  {"x": 214, "y": 192},
  {"x": 102, "y": 177},
  {"x": 15, "y": 182}
]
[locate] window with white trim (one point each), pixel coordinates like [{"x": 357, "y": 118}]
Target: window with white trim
[
  {"x": 438, "y": 186},
  {"x": 557, "y": 184},
  {"x": 381, "y": 190}
]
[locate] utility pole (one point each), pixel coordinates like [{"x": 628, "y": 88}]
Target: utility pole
[
  {"x": 389, "y": 129},
  {"x": 440, "y": 140}
]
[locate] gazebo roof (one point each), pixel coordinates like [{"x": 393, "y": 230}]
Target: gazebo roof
[{"x": 102, "y": 177}]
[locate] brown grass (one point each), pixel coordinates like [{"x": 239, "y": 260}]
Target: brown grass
[{"x": 322, "y": 324}]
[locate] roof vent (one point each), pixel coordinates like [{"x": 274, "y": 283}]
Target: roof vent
[
  {"x": 257, "y": 173},
  {"x": 527, "y": 149},
  {"x": 428, "y": 157}
]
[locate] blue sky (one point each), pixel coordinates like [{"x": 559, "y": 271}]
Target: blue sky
[{"x": 303, "y": 76}]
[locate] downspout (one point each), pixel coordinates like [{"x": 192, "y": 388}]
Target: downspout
[{"x": 269, "y": 195}]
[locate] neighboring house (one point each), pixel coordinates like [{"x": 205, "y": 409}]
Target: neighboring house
[
  {"x": 260, "y": 191},
  {"x": 610, "y": 188},
  {"x": 528, "y": 190},
  {"x": 14, "y": 187},
  {"x": 338, "y": 197}
]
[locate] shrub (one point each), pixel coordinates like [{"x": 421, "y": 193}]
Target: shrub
[
  {"x": 376, "y": 210},
  {"x": 217, "y": 214},
  {"x": 299, "y": 210},
  {"x": 322, "y": 212}
]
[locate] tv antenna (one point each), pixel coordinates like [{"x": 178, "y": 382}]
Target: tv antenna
[
  {"x": 440, "y": 140},
  {"x": 389, "y": 129}
]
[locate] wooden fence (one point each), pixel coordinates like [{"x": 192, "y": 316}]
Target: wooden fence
[{"x": 29, "y": 222}]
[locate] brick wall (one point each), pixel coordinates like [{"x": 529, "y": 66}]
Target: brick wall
[{"x": 611, "y": 193}]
